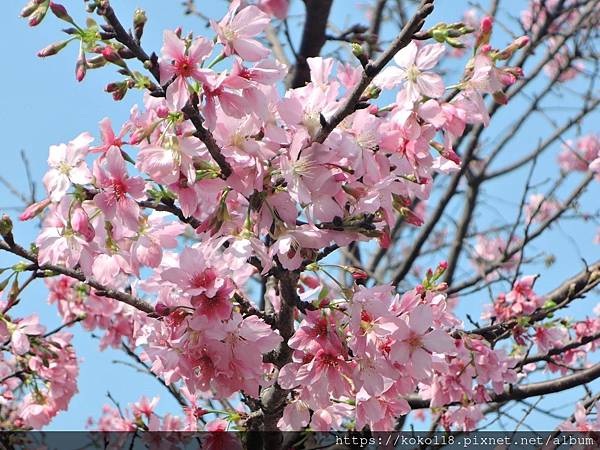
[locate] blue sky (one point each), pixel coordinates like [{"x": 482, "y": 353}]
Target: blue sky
[{"x": 42, "y": 104}]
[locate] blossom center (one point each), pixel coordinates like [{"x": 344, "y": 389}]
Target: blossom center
[
  {"x": 184, "y": 67},
  {"x": 413, "y": 73},
  {"x": 229, "y": 34},
  {"x": 202, "y": 279},
  {"x": 414, "y": 341},
  {"x": 119, "y": 189}
]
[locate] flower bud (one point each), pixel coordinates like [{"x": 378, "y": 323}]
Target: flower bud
[
  {"x": 52, "y": 49},
  {"x": 61, "y": 12},
  {"x": 508, "y": 79},
  {"x": 522, "y": 41},
  {"x": 29, "y": 9},
  {"x": 358, "y": 51},
  {"x": 385, "y": 239},
  {"x": 34, "y": 209},
  {"x": 485, "y": 31},
  {"x": 486, "y": 48},
  {"x": 139, "y": 21},
  {"x": 38, "y": 15},
  {"x": 6, "y": 227},
  {"x": 81, "y": 65},
  {"x": 112, "y": 56},
  {"x": 441, "y": 287},
  {"x": 118, "y": 90},
  {"x": 486, "y": 24},
  {"x": 96, "y": 62},
  {"x": 199, "y": 412},
  {"x": 80, "y": 222},
  {"x": 439, "y": 35}
]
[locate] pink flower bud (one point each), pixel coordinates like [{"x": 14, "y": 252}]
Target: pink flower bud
[
  {"x": 52, "y": 49},
  {"x": 442, "y": 286},
  {"x": 451, "y": 156},
  {"x": 81, "y": 224},
  {"x": 34, "y": 209},
  {"x": 80, "y": 66},
  {"x": 199, "y": 412},
  {"x": 486, "y": 24},
  {"x": 162, "y": 111},
  {"x": 385, "y": 239},
  {"x": 112, "y": 56},
  {"x": 486, "y": 48},
  {"x": 522, "y": 41},
  {"x": 37, "y": 16},
  {"x": 61, "y": 12}
]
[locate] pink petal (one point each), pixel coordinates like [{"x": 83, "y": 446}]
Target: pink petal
[
  {"x": 430, "y": 84},
  {"x": 407, "y": 56},
  {"x": 420, "y": 319},
  {"x": 429, "y": 56}
]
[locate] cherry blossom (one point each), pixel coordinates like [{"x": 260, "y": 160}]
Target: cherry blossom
[{"x": 414, "y": 70}]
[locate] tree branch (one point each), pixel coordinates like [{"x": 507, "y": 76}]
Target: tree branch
[
  {"x": 373, "y": 68},
  {"x": 104, "y": 291},
  {"x": 529, "y": 390},
  {"x": 313, "y": 39}
]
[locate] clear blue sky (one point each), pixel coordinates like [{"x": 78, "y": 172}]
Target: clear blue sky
[{"x": 42, "y": 104}]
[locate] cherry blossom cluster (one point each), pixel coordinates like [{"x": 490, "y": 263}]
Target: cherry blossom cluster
[
  {"x": 547, "y": 333},
  {"x": 357, "y": 360},
  {"x": 38, "y": 373},
  {"x": 582, "y": 155},
  {"x": 220, "y": 176},
  {"x": 75, "y": 301},
  {"x": 141, "y": 416},
  {"x": 580, "y": 422}
]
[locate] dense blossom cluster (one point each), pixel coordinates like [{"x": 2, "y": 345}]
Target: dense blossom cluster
[
  {"x": 46, "y": 368},
  {"x": 220, "y": 176}
]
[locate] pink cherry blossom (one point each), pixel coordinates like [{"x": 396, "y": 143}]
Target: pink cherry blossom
[
  {"x": 415, "y": 343},
  {"x": 118, "y": 190},
  {"x": 182, "y": 62},
  {"x": 236, "y": 30},
  {"x": 414, "y": 71},
  {"x": 67, "y": 166}
]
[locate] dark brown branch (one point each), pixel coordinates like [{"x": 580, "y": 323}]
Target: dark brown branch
[
  {"x": 377, "y": 18},
  {"x": 151, "y": 63},
  {"x": 313, "y": 39},
  {"x": 571, "y": 289},
  {"x": 372, "y": 68},
  {"x": 136, "y": 302},
  {"x": 208, "y": 139},
  {"x": 530, "y": 390},
  {"x": 426, "y": 230},
  {"x": 559, "y": 350},
  {"x": 273, "y": 398},
  {"x": 125, "y": 38}
]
